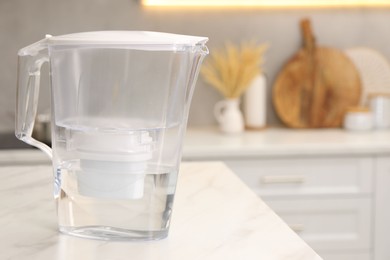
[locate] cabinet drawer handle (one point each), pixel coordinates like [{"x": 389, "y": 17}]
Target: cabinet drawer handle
[
  {"x": 297, "y": 227},
  {"x": 271, "y": 179}
]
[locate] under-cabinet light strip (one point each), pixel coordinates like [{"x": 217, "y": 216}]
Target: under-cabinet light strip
[{"x": 267, "y": 3}]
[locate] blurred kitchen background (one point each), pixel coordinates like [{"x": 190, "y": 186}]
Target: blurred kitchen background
[
  {"x": 23, "y": 22},
  {"x": 329, "y": 185}
]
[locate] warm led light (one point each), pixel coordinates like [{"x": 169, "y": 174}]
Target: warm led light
[{"x": 267, "y": 3}]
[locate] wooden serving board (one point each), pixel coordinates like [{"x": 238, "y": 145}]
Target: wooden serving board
[{"x": 316, "y": 86}]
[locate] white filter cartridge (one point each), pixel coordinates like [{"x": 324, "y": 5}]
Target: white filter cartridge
[
  {"x": 111, "y": 180},
  {"x": 112, "y": 167}
]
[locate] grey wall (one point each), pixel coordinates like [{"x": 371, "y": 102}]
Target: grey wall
[{"x": 25, "y": 21}]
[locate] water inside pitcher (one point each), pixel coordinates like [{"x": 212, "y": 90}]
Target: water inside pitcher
[{"x": 120, "y": 103}]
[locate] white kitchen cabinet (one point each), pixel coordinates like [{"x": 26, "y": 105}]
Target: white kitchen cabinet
[
  {"x": 331, "y": 186},
  {"x": 382, "y": 208},
  {"x": 305, "y": 176},
  {"x": 328, "y": 225},
  {"x": 326, "y": 200},
  {"x": 346, "y": 256}
]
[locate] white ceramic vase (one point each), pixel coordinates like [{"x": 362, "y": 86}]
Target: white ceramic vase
[
  {"x": 229, "y": 116},
  {"x": 255, "y": 103}
]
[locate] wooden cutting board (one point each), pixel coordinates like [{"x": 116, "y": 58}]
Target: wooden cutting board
[{"x": 316, "y": 86}]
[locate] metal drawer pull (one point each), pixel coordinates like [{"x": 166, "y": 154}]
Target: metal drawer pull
[
  {"x": 282, "y": 179},
  {"x": 297, "y": 227}
]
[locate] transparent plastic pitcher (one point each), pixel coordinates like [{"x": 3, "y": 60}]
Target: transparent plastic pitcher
[{"x": 120, "y": 102}]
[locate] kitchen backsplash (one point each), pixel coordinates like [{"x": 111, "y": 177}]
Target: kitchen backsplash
[{"x": 23, "y": 22}]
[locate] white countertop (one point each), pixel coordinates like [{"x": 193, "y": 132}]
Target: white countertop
[
  {"x": 215, "y": 216},
  {"x": 209, "y": 143}
]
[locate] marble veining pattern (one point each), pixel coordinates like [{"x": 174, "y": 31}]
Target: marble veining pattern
[{"x": 215, "y": 216}]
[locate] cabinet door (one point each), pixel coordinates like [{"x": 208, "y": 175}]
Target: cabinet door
[
  {"x": 306, "y": 176},
  {"x": 328, "y": 225},
  {"x": 382, "y": 209},
  {"x": 346, "y": 256}
]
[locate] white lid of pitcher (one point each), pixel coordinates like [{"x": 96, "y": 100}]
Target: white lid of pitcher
[{"x": 136, "y": 38}]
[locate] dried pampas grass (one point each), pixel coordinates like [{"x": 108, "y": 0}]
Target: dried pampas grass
[{"x": 231, "y": 70}]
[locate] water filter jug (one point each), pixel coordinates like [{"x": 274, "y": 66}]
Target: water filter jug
[{"x": 119, "y": 110}]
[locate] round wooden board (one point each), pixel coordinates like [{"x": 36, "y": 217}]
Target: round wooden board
[{"x": 315, "y": 88}]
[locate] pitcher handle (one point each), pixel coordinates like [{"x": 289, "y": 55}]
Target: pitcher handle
[{"x": 30, "y": 61}]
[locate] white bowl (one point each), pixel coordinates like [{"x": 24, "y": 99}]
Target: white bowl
[{"x": 358, "y": 121}]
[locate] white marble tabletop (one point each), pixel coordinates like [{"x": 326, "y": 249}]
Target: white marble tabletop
[{"x": 215, "y": 216}]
